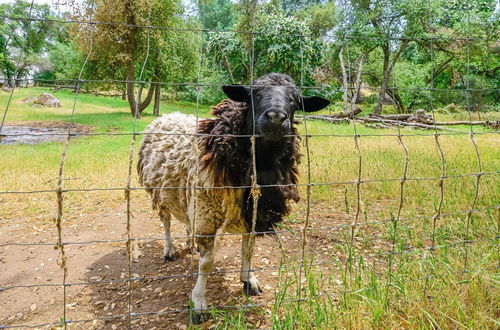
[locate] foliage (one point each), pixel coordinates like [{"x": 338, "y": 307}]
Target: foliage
[
  {"x": 23, "y": 41},
  {"x": 65, "y": 61},
  {"x": 301, "y": 38},
  {"x": 227, "y": 51},
  {"x": 217, "y": 14},
  {"x": 281, "y": 44},
  {"x": 285, "y": 44},
  {"x": 321, "y": 17},
  {"x": 124, "y": 49}
]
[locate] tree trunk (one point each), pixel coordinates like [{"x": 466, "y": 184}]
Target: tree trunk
[
  {"x": 147, "y": 101},
  {"x": 139, "y": 93},
  {"x": 440, "y": 69},
  {"x": 156, "y": 107},
  {"x": 397, "y": 99},
  {"x": 345, "y": 83},
  {"x": 124, "y": 92},
  {"x": 385, "y": 80},
  {"x": 130, "y": 46},
  {"x": 17, "y": 82},
  {"x": 357, "y": 85},
  {"x": 130, "y": 90},
  {"x": 228, "y": 65},
  {"x": 137, "y": 107},
  {"x": 388, "y": 68}
]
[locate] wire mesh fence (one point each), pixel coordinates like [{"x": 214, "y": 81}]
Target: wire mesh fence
[{"x": 399, "y": 241}]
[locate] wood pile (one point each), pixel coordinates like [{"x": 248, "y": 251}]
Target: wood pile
[{"x": 419, "y": 119}]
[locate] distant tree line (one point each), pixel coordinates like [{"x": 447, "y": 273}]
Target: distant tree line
[{"x": 404, "y": 53}]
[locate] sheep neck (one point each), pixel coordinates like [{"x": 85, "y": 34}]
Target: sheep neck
[{"x": 230, "y": 158}]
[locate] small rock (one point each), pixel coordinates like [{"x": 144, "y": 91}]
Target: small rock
[
  {"x": 71, "y": 306},
  {"x": 33, "y": 307}
]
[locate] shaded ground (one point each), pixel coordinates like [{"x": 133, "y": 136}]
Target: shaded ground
[
  {"x": 32, "y": 132},
  {"x": 97, "y": 271}
]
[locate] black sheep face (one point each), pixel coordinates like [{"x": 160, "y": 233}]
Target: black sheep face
[{"x": 272, "y": 101}]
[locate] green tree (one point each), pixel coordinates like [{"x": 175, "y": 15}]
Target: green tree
[
  {"x": 119, "y": 49},
  {"x": 290, "y": 6},
  {"x": 217, "y": 14},
  {"x": 64, "y": 63},
  {"x": 23, "y": 41},
  {"x": 321, "y": 18},
  {"x": 386, "y": 25},
  {"x": 285, "y": 44}
]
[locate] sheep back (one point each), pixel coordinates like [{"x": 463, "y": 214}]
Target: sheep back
[{"x": 169, "y": 169}]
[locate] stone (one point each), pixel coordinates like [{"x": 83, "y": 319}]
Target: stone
[{"x": 47, "y": 100}]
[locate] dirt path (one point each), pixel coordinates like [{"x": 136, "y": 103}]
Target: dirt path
[{"x": 97, "y": 271}]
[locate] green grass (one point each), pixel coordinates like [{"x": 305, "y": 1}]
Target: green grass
[{"x": 375, "y": 297}]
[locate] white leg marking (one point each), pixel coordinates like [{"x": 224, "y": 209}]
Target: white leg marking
[
  {"x": 250, "y": 282},
  {"x": 205, "y": 267},
  {"x": 168, "y": 249}
]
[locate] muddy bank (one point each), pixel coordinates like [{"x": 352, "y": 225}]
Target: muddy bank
[{"x": 34, "y": 132}]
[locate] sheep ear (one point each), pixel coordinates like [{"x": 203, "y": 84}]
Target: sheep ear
[
  {"x": 236, "y": 93},
  {"x": 313, "y": 103}
]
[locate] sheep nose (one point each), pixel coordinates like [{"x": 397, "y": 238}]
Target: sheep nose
[{"x": 276, "y": 117}]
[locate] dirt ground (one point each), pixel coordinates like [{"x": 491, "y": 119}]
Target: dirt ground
[
  {"x": 97, "y": 271},
  {"x": 33, "y": 132}
]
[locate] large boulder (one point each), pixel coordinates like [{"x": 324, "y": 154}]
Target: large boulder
[{"x": 47, "y": 100}]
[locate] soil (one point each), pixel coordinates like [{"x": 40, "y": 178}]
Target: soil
[
  {"x": 33, "y": 132},
  {"x": 97, "y": 271}
]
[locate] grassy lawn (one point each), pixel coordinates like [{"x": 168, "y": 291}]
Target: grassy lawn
[{"x": 450, "y": 299}]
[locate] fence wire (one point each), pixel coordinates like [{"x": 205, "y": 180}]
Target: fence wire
[{"x": 389, "y": 258}]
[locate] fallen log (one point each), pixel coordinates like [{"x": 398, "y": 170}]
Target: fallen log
[
  {"x": 381, "y": 122},
  {"x": 349, "y": 114},
  {"x": 327, "y": 118},
  {"x": 403, "y": 117},
  {"x": 404, "y": 123},
  {"x": 465, "y": 122}
]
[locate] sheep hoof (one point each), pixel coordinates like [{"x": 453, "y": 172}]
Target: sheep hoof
[
  {"x": 197, "y": 317},
  {"x": 251, "y": 290},
  {"x": 169, "y": 258}
]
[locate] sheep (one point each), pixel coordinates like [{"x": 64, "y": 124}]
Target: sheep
[{"x": 218, "y": 161}]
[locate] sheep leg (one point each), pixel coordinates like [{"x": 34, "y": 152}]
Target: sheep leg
[
  {"x": 189, "y": 240},
  {"x": 168, "y": 249},
  {"x": 206, "y": 263},
  {"x": 250, "y": 282}
]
